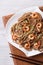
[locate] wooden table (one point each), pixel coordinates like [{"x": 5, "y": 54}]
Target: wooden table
[{"x": 17, "y": 51}]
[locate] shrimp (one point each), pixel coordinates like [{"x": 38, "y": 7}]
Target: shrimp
[
  {"x": 27, "y": 45},
  {"x": 38, "y": 26},
  {"x": 37, "y": 45},
  {"x": 25, "y": 28},
  {"x": 31, "y": 36}
]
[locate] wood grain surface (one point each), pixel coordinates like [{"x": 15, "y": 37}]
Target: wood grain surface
[{"x": 17, "y": 51}]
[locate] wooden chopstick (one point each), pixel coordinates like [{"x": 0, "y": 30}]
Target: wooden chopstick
[
  {"x": 21, "y": 57},
  {"x": 27, "y": 58},
  {"x": 24, "y": 60}
]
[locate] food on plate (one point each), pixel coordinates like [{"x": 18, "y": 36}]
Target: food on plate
[{"x": 28, "y": 31}]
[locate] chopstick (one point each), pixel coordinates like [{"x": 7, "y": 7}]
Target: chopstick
[{"x": 26, "y": 59}]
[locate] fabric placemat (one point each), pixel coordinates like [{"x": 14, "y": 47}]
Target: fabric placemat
[{"x": 17, "y": 51}]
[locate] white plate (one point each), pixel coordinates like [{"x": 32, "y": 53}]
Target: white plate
[{"x": 12, "y": 21}]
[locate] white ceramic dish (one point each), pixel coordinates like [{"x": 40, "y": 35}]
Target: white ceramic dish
[{"x": 12, "y": 21}]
